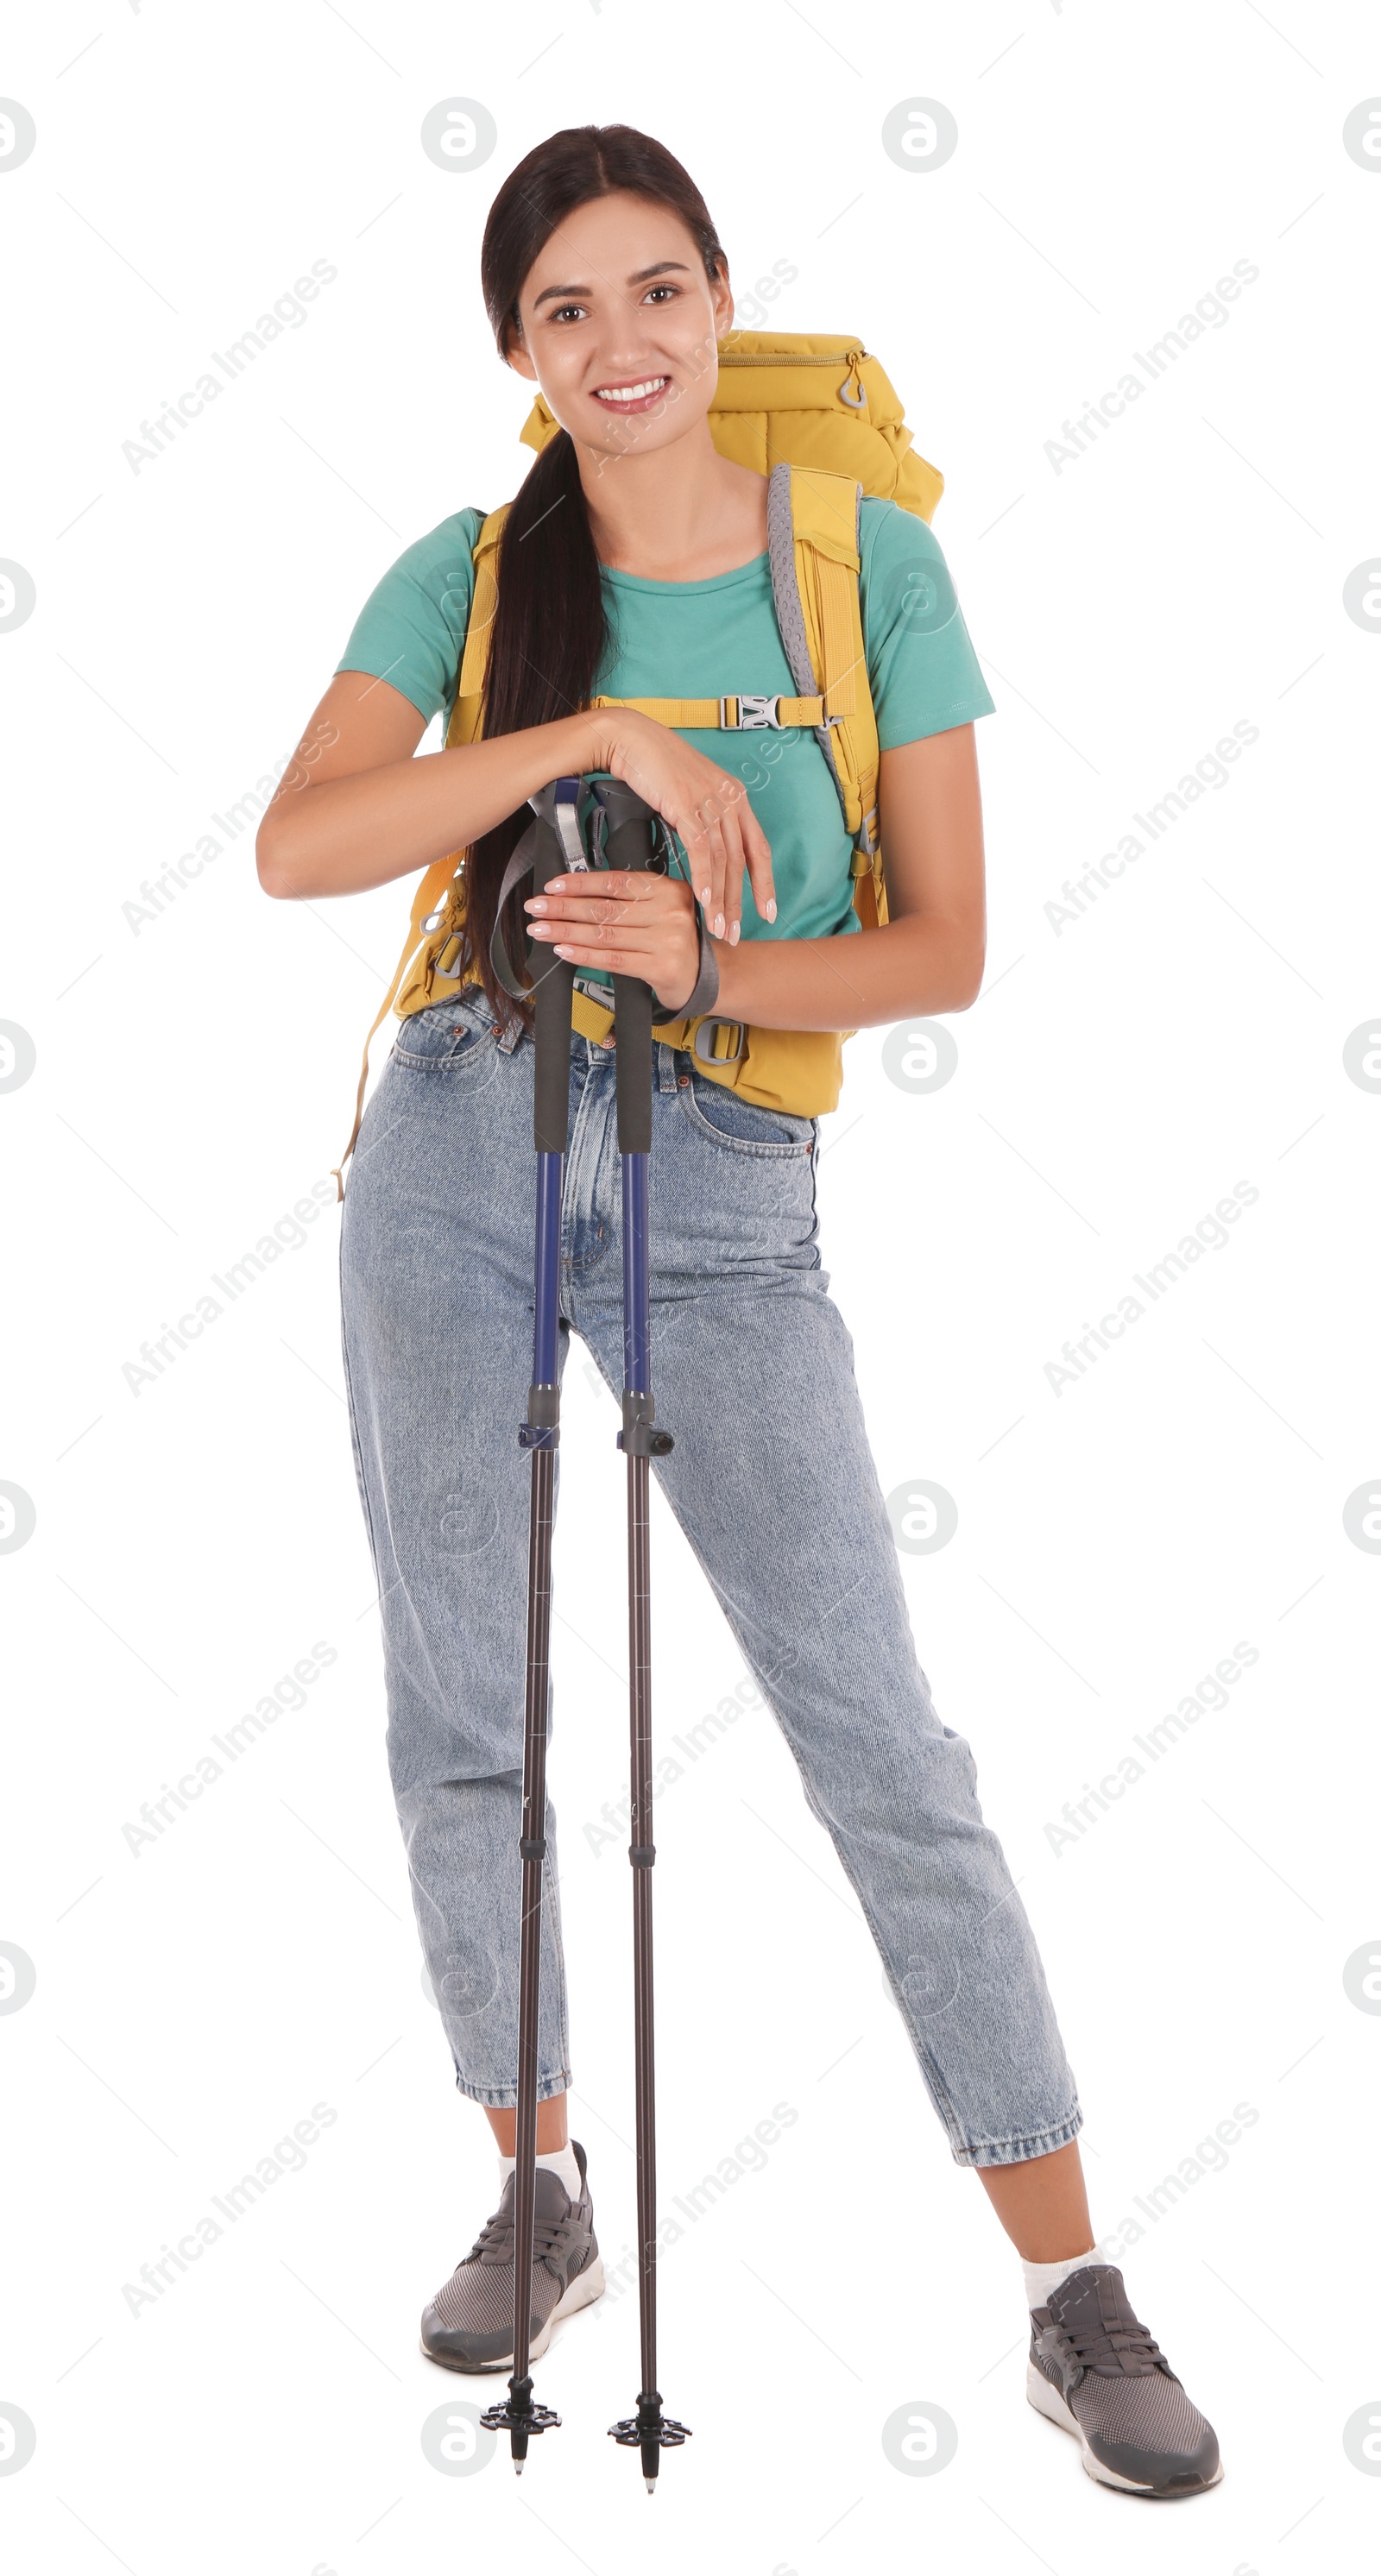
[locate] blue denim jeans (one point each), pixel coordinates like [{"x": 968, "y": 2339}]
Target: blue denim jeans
[{"x": 772, "y": 1481}]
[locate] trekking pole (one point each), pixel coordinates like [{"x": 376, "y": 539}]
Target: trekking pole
[
  {"x": 629, "y": 845},
  {"x": 551, "y": 846}
]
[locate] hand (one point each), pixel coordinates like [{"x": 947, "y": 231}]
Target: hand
[
  {"x": 626, "y": 920},
  {"x": 709, "y": 809}
]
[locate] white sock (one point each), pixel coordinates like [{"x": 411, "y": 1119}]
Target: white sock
[
  {"x": 561, "y": 2162},
  {"x": 1042, "y": 2278}
]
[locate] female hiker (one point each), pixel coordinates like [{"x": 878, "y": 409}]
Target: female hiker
[{"x": 634, "y": 563}]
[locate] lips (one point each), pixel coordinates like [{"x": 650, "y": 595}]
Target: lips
[{"x": 639, "y": 396}]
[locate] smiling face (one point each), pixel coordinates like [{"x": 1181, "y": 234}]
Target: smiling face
[{"x": 621, "y": 325}]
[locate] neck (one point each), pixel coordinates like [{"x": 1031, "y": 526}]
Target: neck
[{"x": 674, "y": 511}]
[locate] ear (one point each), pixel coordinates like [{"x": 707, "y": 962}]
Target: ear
[
  {"x": 722, "y": 298},
  {"x": 520, "y": 362}
]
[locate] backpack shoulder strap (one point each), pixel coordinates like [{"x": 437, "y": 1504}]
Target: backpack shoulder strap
[
  {"x": 813, "y": 550},
  {"x": 469, "y": 706},
  {"x": 463, "y": 727}
]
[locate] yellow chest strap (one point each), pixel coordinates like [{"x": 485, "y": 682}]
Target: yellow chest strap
[{"x": 742, "y": 714}]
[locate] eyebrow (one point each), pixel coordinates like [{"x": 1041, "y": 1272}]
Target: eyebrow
[{"x": 659, "y": 268}]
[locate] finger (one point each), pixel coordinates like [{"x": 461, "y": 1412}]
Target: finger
[
  {"x": 589, "y": 926},
  {"x": 594, "y": 910},
  {"x": 694, "y": 831},
  {"x": 700, "y": 859},
  {"x": 614, "y": 885},
  {"x": 615, "y": 961},
  {"x": 758, "y": 853},
  {"x": 714, "y": 859},
  {"x": 733, "y": 880},
  {"x": 756, "y": 856},
  {"x": 602, "y": 927},
  {"x": 625, "y": 884},
  {"x": 738, "y": 822}
]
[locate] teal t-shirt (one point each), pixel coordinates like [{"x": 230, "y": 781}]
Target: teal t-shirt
[{"x": 691, "y": 639}]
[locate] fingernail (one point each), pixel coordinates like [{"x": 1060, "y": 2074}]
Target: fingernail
[
  {"x": 770, "y": 913},
  {"x": 563, "y": 952},
  {"x": 704, "y": 894},
  {"x": 536, "y": 903},
  {"x": 733, "y": 934},
  {"x": 544, "y": 930},
  {"x": 719, "y": 925}
]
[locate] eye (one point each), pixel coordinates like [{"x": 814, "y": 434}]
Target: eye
[
  {"x": 661, "y": 290},
  {"x": 562, "y": 310}
]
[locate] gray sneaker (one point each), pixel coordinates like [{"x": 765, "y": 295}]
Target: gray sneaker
[
  {"x": 1094, "y": 2370},
  {"x": 469, "y": 2323}
]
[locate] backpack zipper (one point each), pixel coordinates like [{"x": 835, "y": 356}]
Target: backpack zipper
[
  {"x": 852, "y": 362},
  {"x": 784, "y": 358}
]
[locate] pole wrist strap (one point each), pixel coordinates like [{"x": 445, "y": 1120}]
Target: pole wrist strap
[{"x": 706, "y": 989}]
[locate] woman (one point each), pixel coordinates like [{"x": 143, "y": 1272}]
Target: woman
[{"x": 634, "y": 563}]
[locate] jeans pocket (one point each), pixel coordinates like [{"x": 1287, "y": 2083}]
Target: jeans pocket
[
  {"x": 447, "y": 1037},
  {"x": 741, "y": 1126}
]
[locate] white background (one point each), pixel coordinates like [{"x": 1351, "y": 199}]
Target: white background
[{"x": 193, "y": 1539}]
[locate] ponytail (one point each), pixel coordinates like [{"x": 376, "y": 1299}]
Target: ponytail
[{"x": 545, "y": 647}]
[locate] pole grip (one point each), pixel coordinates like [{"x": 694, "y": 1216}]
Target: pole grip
[
  {"x": 553, "y": 979},
  {"x": 630, "y": 846}
]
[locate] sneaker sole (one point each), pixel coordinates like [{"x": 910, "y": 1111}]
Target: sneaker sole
[
  {"x": 1048, "y": 2401},
  {"x": 582, "y": 2293}
]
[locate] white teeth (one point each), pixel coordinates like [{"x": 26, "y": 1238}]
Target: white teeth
[{"x": 632, "y": 393}]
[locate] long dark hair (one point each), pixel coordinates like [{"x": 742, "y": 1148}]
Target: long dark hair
[{"x": 551, "y": 627}]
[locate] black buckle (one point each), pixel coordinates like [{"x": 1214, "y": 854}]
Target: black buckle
[{"x": 707, "y": 1054}]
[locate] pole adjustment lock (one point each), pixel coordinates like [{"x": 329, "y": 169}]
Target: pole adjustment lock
[
  {"x": 638, "y": 1438},
  {"x": 540, "y": 1429}
]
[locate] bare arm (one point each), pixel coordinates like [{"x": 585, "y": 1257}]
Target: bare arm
[
  {"x": 930, "y": 955},
  {"x": 355, "y": 809}
]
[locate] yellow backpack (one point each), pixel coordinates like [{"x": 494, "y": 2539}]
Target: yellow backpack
[{"x": 820, "y": 419}]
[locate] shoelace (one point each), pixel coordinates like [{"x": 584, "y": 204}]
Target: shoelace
[
  {"x": 494, "y": 2243},
  {"x": 1113, "y": 2349}
]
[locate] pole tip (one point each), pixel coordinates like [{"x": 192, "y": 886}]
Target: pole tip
[
  {"x": 651, "y": 2485},
  {"x": 517, "y": 2468}
]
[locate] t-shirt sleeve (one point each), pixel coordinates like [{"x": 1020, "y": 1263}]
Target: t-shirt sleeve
[
  {"x": 411, "y": 629},
  {"x": 922, "y": 669}
]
